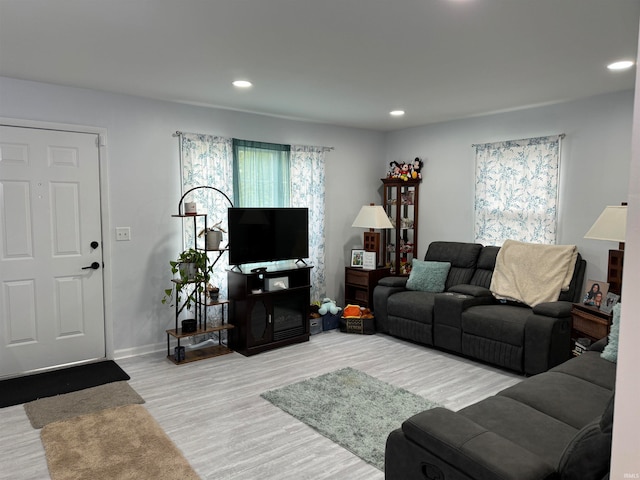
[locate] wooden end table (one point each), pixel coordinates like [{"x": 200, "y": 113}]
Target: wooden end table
[
  {"x": 589, "y": 322},
  {"x": 359, "y": 284}
]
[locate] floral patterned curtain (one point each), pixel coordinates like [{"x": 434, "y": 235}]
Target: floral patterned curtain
[
  {"x": 517, "y": 190},
  {"x": 307, "y": 181},
  {"x": 207, "y": 160}
]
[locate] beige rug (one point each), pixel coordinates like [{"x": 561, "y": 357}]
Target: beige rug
[
  {"x": 120, "y": 443},
  {"x": 43, "y": 411}
]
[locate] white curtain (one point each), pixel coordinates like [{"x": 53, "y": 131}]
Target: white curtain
[
  {"x": 516, "y": 191},
  {"x": 207, "y": 160}
]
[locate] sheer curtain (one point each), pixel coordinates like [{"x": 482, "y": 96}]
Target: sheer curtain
[
  {"x": 260, "y": 174},
  {"x": 517, "y": 190}
]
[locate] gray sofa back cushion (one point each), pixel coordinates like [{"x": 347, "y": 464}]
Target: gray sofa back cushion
[
  {"x": 575, "y": 288},
  {"x": 462, "y": 256},
  {"x": 486, "y": 264}
]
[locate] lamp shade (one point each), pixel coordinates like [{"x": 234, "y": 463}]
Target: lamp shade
[
  {"x": 611, "y": 225},
  {"x": 372, "y": 216}
]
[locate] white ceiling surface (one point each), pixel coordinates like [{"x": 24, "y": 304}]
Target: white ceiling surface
[{"x": 341, "y": 62}]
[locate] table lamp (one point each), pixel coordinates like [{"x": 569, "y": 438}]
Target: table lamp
[
  {"x": 372, "y": 217},
  {"x": 611, "y": 225}
]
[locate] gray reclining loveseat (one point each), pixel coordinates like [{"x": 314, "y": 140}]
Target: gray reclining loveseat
[{"x": 466, "y": 319}]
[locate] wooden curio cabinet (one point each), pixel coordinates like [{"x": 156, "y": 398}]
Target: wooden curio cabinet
[{"x": 400, "y": 201}]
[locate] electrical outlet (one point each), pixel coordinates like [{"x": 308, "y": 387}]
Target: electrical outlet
[{"x": 123, "y": 234}]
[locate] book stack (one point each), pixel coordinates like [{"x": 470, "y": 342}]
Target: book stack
[{"x": 581, "y": 345}]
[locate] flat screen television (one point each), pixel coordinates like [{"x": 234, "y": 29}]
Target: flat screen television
[{"x": 267, "y": 234}]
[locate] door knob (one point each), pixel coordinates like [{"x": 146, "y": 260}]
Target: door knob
[
  {"x": 93, "y": 266},
  {"x": 94, "y": 244}
]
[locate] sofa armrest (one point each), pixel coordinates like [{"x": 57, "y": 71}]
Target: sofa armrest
[
  {"x": 447, "y": 317},
  {"x": 474, "y": 450},
  {"x": 599, "y": 345},
  {"x": 385, "y": 288},
  {"x": 553, "y": 309},
  {"x": 547, "y": 341},
  {"x": 393, "y": 281},
  {"x": 473, "y": 290}
]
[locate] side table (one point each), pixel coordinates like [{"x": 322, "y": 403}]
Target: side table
[
  {"x": 359, "y": 284},
  {"x": 588, "y": 322}
]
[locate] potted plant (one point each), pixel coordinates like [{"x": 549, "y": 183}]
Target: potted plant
[
  {"x": 194, "y": 272},
  {"x": 213, "y": 291},
  {"x": 213, "y": 236}
]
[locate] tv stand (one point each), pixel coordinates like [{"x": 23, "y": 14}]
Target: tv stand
[{"x": 266, "y": 318}]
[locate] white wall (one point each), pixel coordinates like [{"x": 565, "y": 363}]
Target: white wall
[
  {"x": 594, "y": 167},
  {"x": 144, "y": 186},
  {"x": 626, "y": 423}
]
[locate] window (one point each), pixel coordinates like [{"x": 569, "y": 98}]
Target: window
[
  {"x": 210, "y": 160},
  {"x": 261, "y": 174},
  {"x": 517, "y": 191}
]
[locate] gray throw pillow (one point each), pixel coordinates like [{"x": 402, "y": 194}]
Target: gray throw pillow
[{"x": 428, "y": 276}]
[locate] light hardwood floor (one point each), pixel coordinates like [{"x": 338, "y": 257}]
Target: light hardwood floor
[{"x": 213, "y": 411}]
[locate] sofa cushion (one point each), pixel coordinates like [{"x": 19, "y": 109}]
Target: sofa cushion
[
  {"x": 462, "y": 256},
  {"x": 610, "y": 351},
  {"x": 541, "y": 434},
  {"x": 503, "y": 323},
  {"x": 569, "y": 399},
  {"x": 428, "y": 276},
  {"x": 484, "y": 268},
  {"x": 590, "y": 367},
  {"x": 471, "y": 448},
  {"x": 417, "y": 306}
]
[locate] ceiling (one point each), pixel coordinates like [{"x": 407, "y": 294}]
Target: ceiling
[{"x": 341, "y": 62}]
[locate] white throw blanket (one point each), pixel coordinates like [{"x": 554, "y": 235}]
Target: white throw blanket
[{"x": 532, "y": 273}]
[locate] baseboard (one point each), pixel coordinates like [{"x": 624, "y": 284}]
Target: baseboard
[{"x": 136, "y": 351}]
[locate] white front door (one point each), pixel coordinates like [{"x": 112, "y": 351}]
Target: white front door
[{"x": 51, "y": 305}]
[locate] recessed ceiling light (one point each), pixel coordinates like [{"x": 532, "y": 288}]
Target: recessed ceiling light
[
  {"x": 621, "y": 65},
  {"x": 242, "y": 84},
  {"x": 396, "y": 113}
]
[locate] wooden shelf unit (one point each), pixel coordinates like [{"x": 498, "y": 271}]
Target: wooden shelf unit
[{"x": 400, "y": 201}]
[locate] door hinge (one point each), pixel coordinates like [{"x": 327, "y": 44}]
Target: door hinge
[{"x": 101, "y": 141}]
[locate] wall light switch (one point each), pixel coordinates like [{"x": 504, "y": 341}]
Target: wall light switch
[{"x": 123, "y": 234}]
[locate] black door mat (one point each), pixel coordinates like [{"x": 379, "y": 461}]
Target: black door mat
[{"x": 15, "y": 391}]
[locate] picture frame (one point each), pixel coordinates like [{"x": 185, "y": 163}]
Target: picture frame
[
  {"x": 369, "y": 261},
  {"x": 595, "y": 294},
  {"x": 609, "y": 302},
  {"x": 357, "y": 258}
]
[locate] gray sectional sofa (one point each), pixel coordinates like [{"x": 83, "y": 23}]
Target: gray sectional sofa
[
  {"x": 553, "y": 426},
  {"x": 466, "y": 319}
]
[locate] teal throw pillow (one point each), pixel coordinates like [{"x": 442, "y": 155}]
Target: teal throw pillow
[
  {"x": 428, "y": 276},
  {"x": 610, "y": 352}
]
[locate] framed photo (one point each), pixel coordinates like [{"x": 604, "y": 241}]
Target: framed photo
[
  {"x": 609, "y": 302},
  {"x": 596, "y": 293},
  {"x": 357, "y": 258},
  {"x": 369, "y": 261}
]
